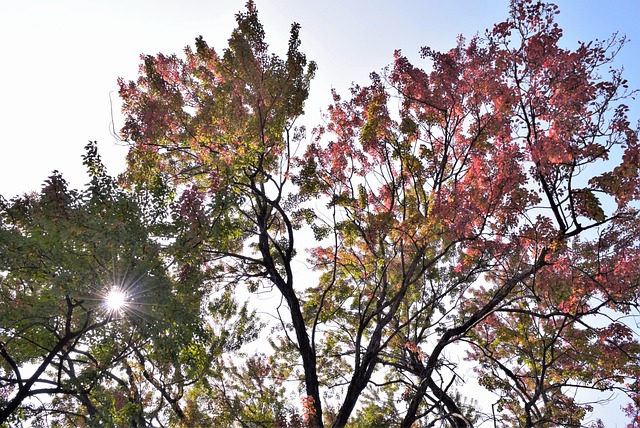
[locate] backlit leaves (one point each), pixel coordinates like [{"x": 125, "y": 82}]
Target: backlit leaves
[{"x": 480, "y": 204}]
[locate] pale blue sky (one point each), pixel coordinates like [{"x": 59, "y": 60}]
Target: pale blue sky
[{"x": 61, "y": 59}]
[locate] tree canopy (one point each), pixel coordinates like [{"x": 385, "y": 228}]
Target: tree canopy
[{"x": 466, "y": 225}]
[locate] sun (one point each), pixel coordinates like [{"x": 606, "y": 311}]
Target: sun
[{"x": 115, "y": 300}]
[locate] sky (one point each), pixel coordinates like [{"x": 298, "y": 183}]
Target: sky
[{"x": 61, "y": 59}]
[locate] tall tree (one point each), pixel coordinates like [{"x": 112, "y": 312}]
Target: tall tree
[
  {"x": 495, "y": 212},
  {"x": 221, "y": 128}
]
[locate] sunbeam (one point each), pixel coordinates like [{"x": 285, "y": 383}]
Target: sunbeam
[{"x": 116, "y": 300}]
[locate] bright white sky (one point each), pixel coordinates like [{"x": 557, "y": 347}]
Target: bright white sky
[{"x": 61, "y": 58}]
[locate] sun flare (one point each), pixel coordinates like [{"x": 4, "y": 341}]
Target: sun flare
[{"x": 116, "y": 300}]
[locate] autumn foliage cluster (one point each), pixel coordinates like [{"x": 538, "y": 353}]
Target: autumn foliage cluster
[{"x": 466, "y": 224}]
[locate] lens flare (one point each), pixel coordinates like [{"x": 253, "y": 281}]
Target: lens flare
[{"x": 116, "y": 300}]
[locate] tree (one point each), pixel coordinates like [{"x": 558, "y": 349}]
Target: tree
[
  {"x": 483, "y": 216},
  {"x": 219, "y": 128},
  {"x": 479, "y": 217},
  {"x": 61, "y": 252},
  {"x": 493, "y": 217}
]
